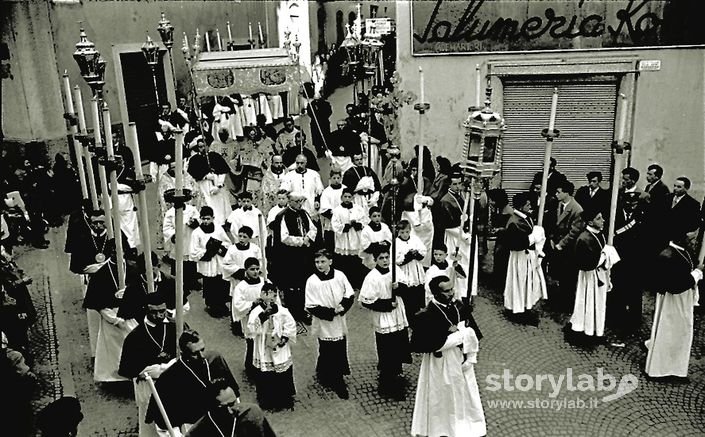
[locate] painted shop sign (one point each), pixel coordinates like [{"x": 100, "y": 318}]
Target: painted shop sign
[{"x": 462, "y": 26}]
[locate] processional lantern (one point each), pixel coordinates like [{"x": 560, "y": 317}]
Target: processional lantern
[
  {"x": 151, "y": 53},
  {"x": 371, "y": 47},
  {"x": 90, "y": 63},
  {"x": 483, "y": 141},
  {"x": 166, "y": 32},
  {"x": 352, "y": 48}
]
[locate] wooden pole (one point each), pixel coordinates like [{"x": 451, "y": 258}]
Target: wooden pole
[
  {"x": 393, "y": 267},
  {"x": 160, "y": 405},
  {"x": 133, "y": 144},
  {"x": 73, "y": 130},
  {"x": 101, "y": 170},
  {"x": 119, "y": 250},
  {"x": 179, "y": 222},
  {"x": 263, "y": 244},
  {"x": 421, "y": 109},
  {"x": 547, "y": 156},
  {"x": 618, "y": 165},
  {"x": 87, "y": 157}
]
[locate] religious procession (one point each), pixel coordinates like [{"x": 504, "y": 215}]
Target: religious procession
[{"x": 471, "y": 250}]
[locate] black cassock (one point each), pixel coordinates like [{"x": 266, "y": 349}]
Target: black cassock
[
  {"x": 200, "y": 165},
  {"x": 143, "y": 348},
  {"x": 248, "y": 421},
  {"x": 182, "y": 389},
  {"x": 430, "y": 328}
]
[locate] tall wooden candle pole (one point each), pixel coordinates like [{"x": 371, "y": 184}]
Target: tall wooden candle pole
[
  {"x": 101, "y": 169},
  {"x": 133, "y": 143},
  {"x": 618, "y": 146},
  {"x": 87, "y": 156},
  {"x": 179, "y": 203},
  {"x": 549, "y": 134},
  {"x": 421, "y": 107},
  {"x": 262, "y": 244},
  {"x": 73, "y": 130},
  {"x": 112, "y": 167}
]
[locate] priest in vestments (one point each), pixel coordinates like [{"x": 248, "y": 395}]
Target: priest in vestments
[
  {"x": 364, "y": 181},
  {"x": 447, "y": 395},
  {"x": 525, "y": 284},
  {"x": 593, "y": 257},
  {"x": 209, "y": 170},
  {"x": 294, "y": 236},
  {"x": 103, "y": 295},
  {"x": 675, "y": 277},
  {"x": 150, "y": 348},
  {"x": 226, "y": 416},
  {"x": 304, "y": 180},
  {"x": 183, "y": 387}
]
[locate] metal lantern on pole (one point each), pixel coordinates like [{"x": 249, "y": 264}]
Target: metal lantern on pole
[
  {"x": 351, "y": 45},
  {"x": 166, "y": 32},
  {"x": 481, "y": 152},
  {"x": 151, "y": 55},
  {"x": 90, "y": 63},
  {"x": 371, "y": 48}
]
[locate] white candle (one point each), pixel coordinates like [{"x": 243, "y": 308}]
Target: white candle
[
  {"x": 67, "y": 90},
  {"x": 554, "y": 106},
  {"x": 179, "y": 162},
  {"x": 220, "y": 42},
  {"x": 249, "y": 28},
  {"x": 259, "y": 31},
  {"x": 135, "y": 147},
  {"x": 79, "y": 105},
  {"x": 208, "y": 41},
  {"x": 478, "y": 86},
  {"x": 421, "y": 85},
  {"x": 185, "y": 40},
  {"x": 230, "y": 33},
  {"x": 622, "y": 118}
]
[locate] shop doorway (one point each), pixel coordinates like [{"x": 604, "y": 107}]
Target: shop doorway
[
  {"x": 585, "y": 118},
  {"x": 140, "y": 98}
]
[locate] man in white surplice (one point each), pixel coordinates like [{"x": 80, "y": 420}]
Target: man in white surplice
[
  {"x": 675, "y": 280},
  {"x": 304, "y": 180}
]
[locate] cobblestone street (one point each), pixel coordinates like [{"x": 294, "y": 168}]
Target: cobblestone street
[{"x": 653, "y": 408}]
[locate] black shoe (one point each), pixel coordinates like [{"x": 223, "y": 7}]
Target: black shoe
[{"x": 236, "y": 329}]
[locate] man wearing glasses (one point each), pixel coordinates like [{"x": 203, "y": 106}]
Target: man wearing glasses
[{"x": 229, "y": 417}]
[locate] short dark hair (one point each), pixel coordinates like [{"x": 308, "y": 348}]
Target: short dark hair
[
  {"x": 632, "y": 173},
  {"x": 440, "y": 246},
  {"x": 251, "y": 261},
  {"x": 567, "y": 187},
  {"x": 206, "y": 211},
  {"x": 594, "y": 174},
  {"x": 325, "y": 253},
  {"x": 374, "y": 209},
  {"x": 245, "y": 230},
  {"x": 685, "y": 180},
  {"x": 403, "y": 224},
  {"x": 216, "y": 386},
  {"x": 520, "y": 199},
  {"x": 658, "y": 170},
  {"x": 188, "y": 336},
  {"x": 245, "y": 195},
  {"x": 435, "y": 284},
  {"x": 590, "y": 213}
]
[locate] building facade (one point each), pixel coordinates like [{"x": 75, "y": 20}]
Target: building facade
[
  {"x": 41, "y": 37},
  {"x": 650, "y": 51}
]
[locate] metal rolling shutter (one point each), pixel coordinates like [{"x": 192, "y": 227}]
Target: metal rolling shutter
[{"x": 585, "y": 118}]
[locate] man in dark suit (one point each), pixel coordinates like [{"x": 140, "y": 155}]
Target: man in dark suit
[
  {"x": 592, "y": 195},
  {"x": 683, "y": 211},
  {"x": 562, "y": 236},
  {"x": 655, "y": 210},
  {"x": 555, "y": 179},
  {"x": 656, "y": 189}
]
